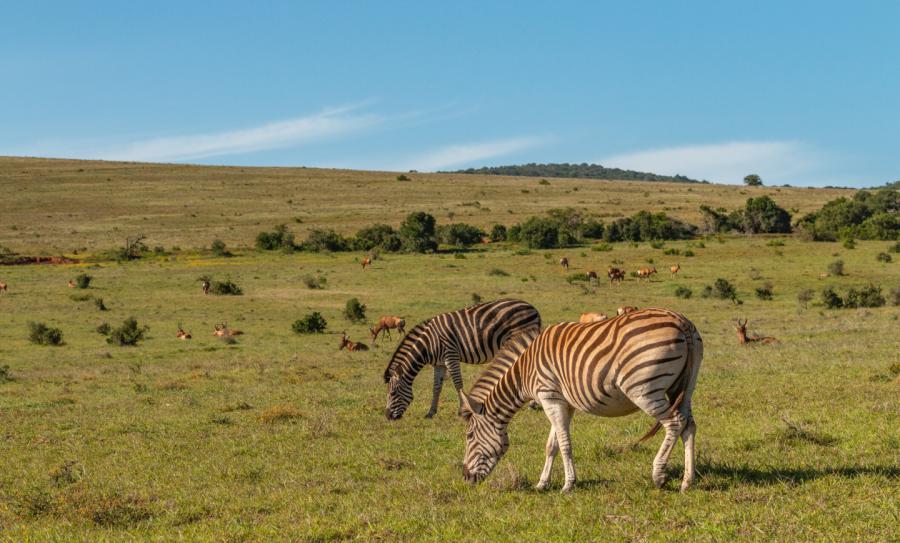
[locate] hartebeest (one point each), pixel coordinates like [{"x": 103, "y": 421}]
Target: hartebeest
[
  {"x": 587, "y": 318},
  {"x": 645, "y": 273},
  {"x": 70, "y": 284},
  {"x": 625, "y": 309},
  {"x": 222, "y": 330},
  {"x": 592, "y": 276},
  {"x": 351, "y": 345},
  {"x": 181, "y": 334},
  {"x": 366, "y": 262},
  {"x": 744, "y": 339},
  {"x": 205, "y": 286},
  {"x": 675, "y": 269},
  {"x": 385, "y": 325},
  {"x": 615, "y": 275},
  {"x": 3, "y": 286},
  {"x": 564, "y": 262}
]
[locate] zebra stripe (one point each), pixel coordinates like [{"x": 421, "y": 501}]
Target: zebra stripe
[
  {"x": 472, "y": 335},
  {"x": 647, "y": 360}
]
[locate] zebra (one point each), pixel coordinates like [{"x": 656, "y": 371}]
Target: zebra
[
  {"x": 648, "y": 360},
  {"x": 472, "y": 335}
]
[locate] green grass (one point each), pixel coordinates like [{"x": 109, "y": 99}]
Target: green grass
[{"x": 279, "y": 436}]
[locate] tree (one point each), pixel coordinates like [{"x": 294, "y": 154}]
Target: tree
[
  {"x": 417, "y": 233},
  {"x": 762, "y": 215},
  {"x": 753, "y": 180}
]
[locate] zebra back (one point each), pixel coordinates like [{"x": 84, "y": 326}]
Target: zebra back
[{"x": 509, "y": 352}]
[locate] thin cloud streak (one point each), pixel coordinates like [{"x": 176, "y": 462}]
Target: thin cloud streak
[
  {"x": 466, "y": 153},
  {"x": 328, "y": 123},
  {"x": 778, "y": 161}
]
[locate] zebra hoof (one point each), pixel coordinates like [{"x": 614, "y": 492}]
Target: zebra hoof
[
  {"x": 542, "y": 485},
  {"x": 567, "y": 488},
  {"x": 685, "y": 485},
  {"x": 430, "y": 414}
]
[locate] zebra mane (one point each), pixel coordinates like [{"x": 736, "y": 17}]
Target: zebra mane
[
  {"x": 411, "y": 336},
  {"x": 506, "y": 356}
]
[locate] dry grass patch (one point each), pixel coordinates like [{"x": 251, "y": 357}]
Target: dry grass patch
[{"x": 279, "y": 413}]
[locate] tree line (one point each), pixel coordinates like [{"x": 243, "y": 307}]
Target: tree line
[{"x": 583, "y": 170}]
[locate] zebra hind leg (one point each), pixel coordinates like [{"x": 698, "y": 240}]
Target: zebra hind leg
[
  {"x": 687, "y": 436},
  {"x": 439, "y": 372},
  {"x": 674, "y": 424}
]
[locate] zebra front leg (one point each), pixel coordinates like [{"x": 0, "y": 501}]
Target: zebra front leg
[
  {"x": 455, "y": 374},
  {"x": 439, "y": 371},
  {"x": 560, "y": 414},
  {"x": 551, "y": 450}
]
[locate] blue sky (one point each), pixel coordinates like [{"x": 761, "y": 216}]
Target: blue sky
[{"x": 804, "y": 93}]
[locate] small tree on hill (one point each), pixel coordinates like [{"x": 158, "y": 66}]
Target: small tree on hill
[{"x": 753, "y": 180}]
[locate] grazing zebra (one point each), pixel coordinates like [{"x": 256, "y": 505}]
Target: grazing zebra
[
  {"x": 647, "y": 360},
  {"x": 471, "y": 335}
]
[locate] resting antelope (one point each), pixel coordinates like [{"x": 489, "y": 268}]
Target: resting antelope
[
  {"x": 181, "y": 334},
  {"x": 564, "y": 262},
  {"x": 587, "y": 318},
  {"x": 744, "y": 339},
  {"x": 625, "y": 309},
  {"x": 366, "y": 262},
  {"x": 70, "y": 284},
  {"x": 351, "y": 345},
  {"x": 3, "y": 286},
  {"x": 385, "y": 325},
  {"x": 645, "y": 273},
  {"x": 615, "y": 275},
  {"x": 222, "y": 330},
  {"x": 675, "y": 269}
]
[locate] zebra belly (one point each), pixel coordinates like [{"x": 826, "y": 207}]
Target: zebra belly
[{"x": 613, "y": 403}]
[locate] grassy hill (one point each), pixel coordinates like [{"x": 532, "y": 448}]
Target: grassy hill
[{"x": 55, "y": 206}]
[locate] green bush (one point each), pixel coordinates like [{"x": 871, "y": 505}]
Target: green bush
[
  {"x": 592, "y": 229},
  {"x": 764, "y": 292},
  {"x": 868, "y": 215},
  {"x": 498, "y": 233},
  {"x": 805, "y": 296},
  {"x": 722, "y": 289},
  {"x": 459, "y": 234},
  {"x": 577, "y": 277},
  {"x": 688, "y": 253},
  {"x": 320, "y": 239},
  {"x": 41, "y": 334},
  {"x": 129, "y": 334},
  {"x": 378, "y": 236},
  {"x": 836, "y": 268},
  {"x": 539, "y": 233},
  {"x": 849, "y": 243},
  {"x": 883, "y": 257},
  {"x": 657, "y": 244},
  {"x": 354, "y": 311},
  {"x": 602, "y": 247},
  {"x": 895, "y": 248},
  {"x": 869, "y": 296},
  {"x": 403, "y": 177},
  {"x": 218, "y": 248},
  {"x": 683, "y": 292},
  {"x": 5, "y": 376},
  {"x": 417, "y": 233},
  {"x": 646, "y": 226},
  {"x": 314, "y": 283},
  {"x": 672, "y": 252},
  {"x": 104, "y": 329},
  {"x": 831, "y": 300},
  {"x": 543, "y": 182},
  {"x": 99, "y": 303},
  {"x": 225, "y": 288},
  {"x": 476, "y": 298},
  {"x": 83, "y": 280},
  {"x": 279, "y": 238},
  {"x": 313, "y": 323},
  {"x": 497, "y": 272}
]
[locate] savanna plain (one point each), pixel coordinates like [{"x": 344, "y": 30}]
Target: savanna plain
[{"x": 280, "y": 436}]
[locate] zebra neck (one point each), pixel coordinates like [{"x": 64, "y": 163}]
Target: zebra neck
[{"x": 508, "y": 396}]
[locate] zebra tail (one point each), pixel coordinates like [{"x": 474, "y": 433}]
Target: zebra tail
[{"x": 685, "y": 382}]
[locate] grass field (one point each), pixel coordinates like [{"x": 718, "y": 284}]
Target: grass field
[{"x": 281, "y": 437}]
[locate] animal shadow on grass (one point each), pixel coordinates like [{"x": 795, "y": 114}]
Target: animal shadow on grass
[{"x": 717, "y": 476}]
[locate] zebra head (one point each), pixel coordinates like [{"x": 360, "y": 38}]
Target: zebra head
[
  {"x": 486, "y": 441},
  {"x": 411, "y": 355}
]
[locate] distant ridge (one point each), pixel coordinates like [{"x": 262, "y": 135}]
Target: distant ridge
[{"x": 583, "y": 170}]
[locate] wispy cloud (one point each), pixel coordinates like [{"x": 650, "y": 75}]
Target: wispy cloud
[
  {"x": 328, "y": 123},
  {"x": 467, "y": 153},
  {"x": 777, "y": 161}
]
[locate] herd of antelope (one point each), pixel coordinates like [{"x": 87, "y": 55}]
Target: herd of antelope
[{"x": 617, "y": 275}]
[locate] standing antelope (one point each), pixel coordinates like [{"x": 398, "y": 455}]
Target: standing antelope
[
  {"x": 587, "y": 318},
  {"x": 3, "y": 287},
  {"x": 626, "y": 309},
  {"x": 182, "y": 335},
  {"x": 205, "y": 286},
  {"x": 675, "y": 269},
  {"x": 645, "y": 273},
  {"x": 385, "y": 325},
  {"x": 564, "y": 262},
  {"x": 351, "y": 345},
  {"x": 648, "y": 361},
  {"x": 222, "y": 330},
  {"x": 744, "y": 339},
  {"x": 615, "y": 275},
  {"x": 471, "y": 335},
  {"x": 592, "y": 276},
  {"x": 366, "y": 262}
]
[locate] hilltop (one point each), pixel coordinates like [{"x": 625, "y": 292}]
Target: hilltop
[{"x": 576, "y": 171}]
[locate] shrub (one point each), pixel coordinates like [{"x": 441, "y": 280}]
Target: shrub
[
  {"x": 775, "y": 243},
  {"x": 225, "y": 288},
  {"x": 104, "y": 329},
  {"x": 460, "y": 234},
  {"x": 403, "y": 177},
  {"x": 497, "y": 272},
  {"x": 417, "y": 233},
  {"x": 476, "y": 298},
  {"x": 836, "y": 267},
  {"x": 849, "y": 243},
  {"x": 883, "y": 257},
  {"x": 657, "y": 244},
  {"x": 41, "y": 334},
  {"x": 805, "y": 296},
  {"x": 868, "y": 215},
  {"x": 539, "y": 233},
  {"x": 312, "y": 282},
  {"x": 831, "y": 300},
  {"x": 279, "y": 238},
  {"x": 133, "y": 249},
  {"x": 689, "y": 253},
  {"x": 354, "y": 311},
  {"x": 313, "y": 323},
  {"x": 683, "y": 292},
  {"x": 672, "y": 252},
  {"x": 498, "y": 233},
  {"x": 129, "y": 334},
  {"x": 99, "y": 303},
  {"x": 577, "y": 277},
  {"x": 869, "y": 296},
  {"x": 602, "y": 247},
  {"x": 377, "y": 236},
  {"x": 764, "y": 292},
  {"x": 895, "y": 248},
  {"x": 646, "y": 226},
  {"x": 543, "y": 182},
  {"x": 83, "y": 280},
  {"x": 724, "y": 290},
  {"x": 320, "y": 239},
  {"x": 218, "y": 248},
  {"x": 5, "y": 376},
  {"x": 763, "y": 216}
]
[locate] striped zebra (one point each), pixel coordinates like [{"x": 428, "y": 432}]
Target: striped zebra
[
  {"x": 471, "y": 335},
  {"x": 647, "y": 360}
]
